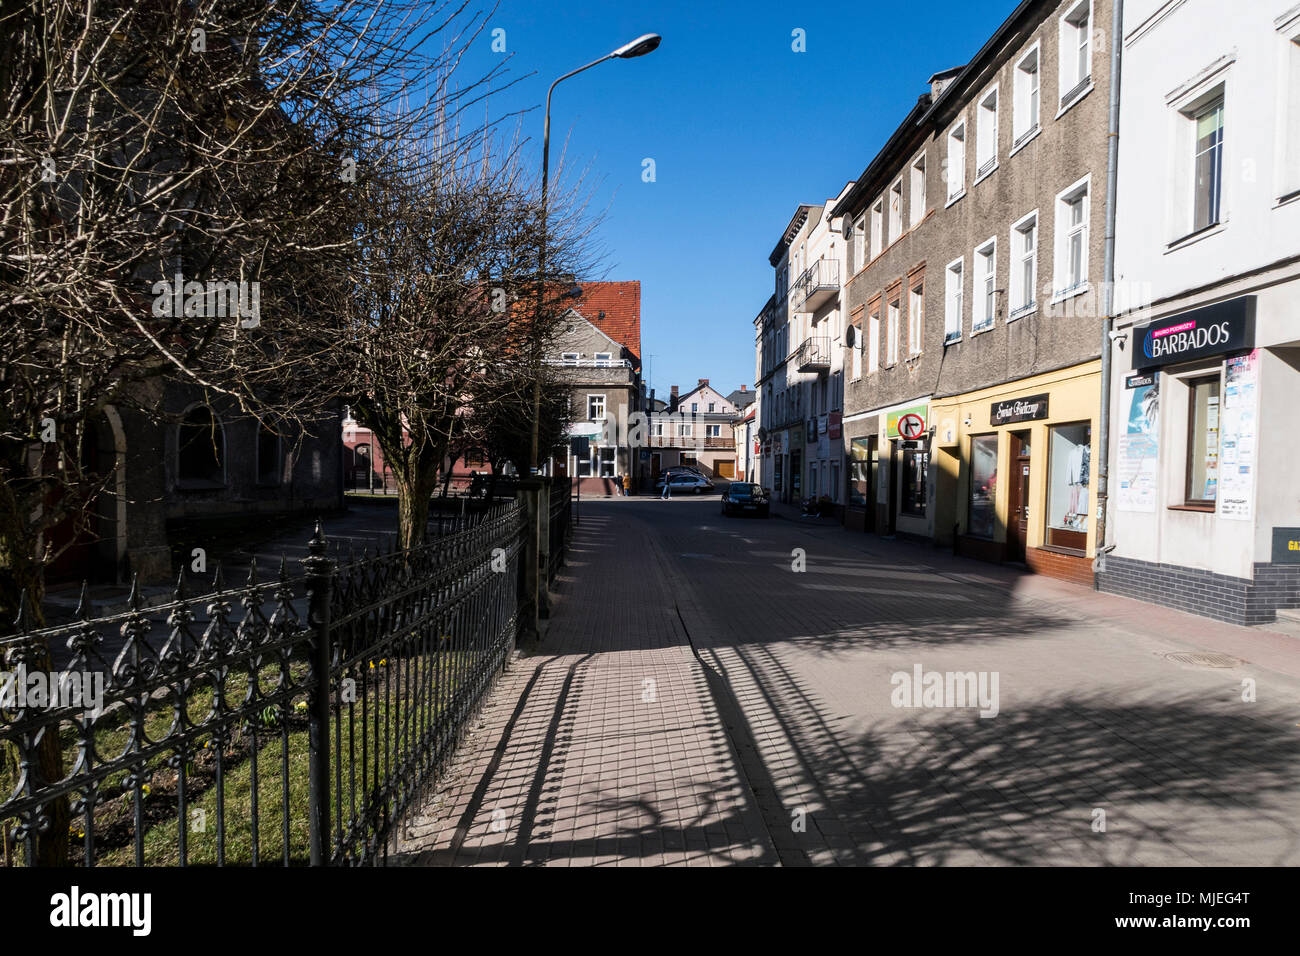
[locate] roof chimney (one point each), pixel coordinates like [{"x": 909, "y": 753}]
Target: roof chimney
[
  {"x": 704, "y": 381},
  {"x": 672, "y": 397},
  {"x": 742, "y": 388}
]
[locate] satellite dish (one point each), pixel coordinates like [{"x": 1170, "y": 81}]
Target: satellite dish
[{"x": 850, "y": 336}]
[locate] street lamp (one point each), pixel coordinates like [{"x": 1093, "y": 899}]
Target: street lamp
[{"x": 638, "y": 47}]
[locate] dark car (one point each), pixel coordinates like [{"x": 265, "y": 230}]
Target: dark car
[{"x": 744, "y": 497}]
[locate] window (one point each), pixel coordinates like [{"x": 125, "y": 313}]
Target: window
[
  {"x": 952, "y": 318},
  {"x": 603, "y": 359},
  {"x": 835, "y": 482},
  {"x": 570, "y": 358},
  {"x": 916, "y": 462},
  {"x": 983, "y": 306},
  {"x": 600, "y": 461},
  {"x": 859, "y": 243},
  {"x": 1025, "y": 118},
  {"x": 1076, "y": 52},
  {"x": 712, "y": 405},
  {"x": 657, "y": 426},
  {"x": 1290, "y": 117},
  {"x": 695, "y": 408},
  {"x": 269, "y": 463},
  {"x": 685, "y": 430},
  {"x": 1024, "y": 265},
  {"x": 862, "y": 472},
  {"x": 893, "y": 314},
  {"x": 983, "y": 486},
  {"x": 858, "y": 348},
  {"x": 957, "y": 162},
  {"x": 917, "y": 199},
  {"x": 595, "y": 408},
  {"x": 1069, "y": 457},
  {"x": 201, "y": 445},
  {"x": 986, "y": 134},
  {"x": 1203, "y": 442},
  {"x": 915, "y": 319},
  {"x": 873, "y": 342},
  {"x": 896, "y": 210},
  {"x": 877, "y": 228},
  {"x": 712, "y": 431},
  {"x": 1072, "y": 210},
  {"x": 608, "y": 462},
  {"x": 1208, "y": 165}
]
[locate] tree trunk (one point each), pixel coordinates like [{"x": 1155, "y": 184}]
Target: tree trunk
[{"x": 414, "y": 489}]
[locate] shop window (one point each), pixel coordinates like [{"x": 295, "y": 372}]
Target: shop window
[
  {"x": 1069, "y": 463},
  {"x": 861, "y": 468},
  {"x": 916, "y": 463},
  {"x": 983, "y": 485},
  {"x": 607, "y": 462},
  {"x": 1203, "y": 442}
]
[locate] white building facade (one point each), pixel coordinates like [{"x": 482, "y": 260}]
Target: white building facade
[{"x": 1204, "y": 498}]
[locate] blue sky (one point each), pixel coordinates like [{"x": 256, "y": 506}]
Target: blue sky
[{"x": 740, "y": 127}]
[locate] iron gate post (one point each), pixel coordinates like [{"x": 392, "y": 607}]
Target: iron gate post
[{"x": 320, "y": 571}]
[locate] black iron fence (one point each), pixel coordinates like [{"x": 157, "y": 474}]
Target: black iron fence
[
  {"x": 561, "y": 513},
  {"x": 290, "y": 720}
]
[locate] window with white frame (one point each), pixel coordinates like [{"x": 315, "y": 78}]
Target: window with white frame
[
  {"x": 873, "y": 341},
  {"x": 986, "y": 134},
  {"x": 1290, "y": 118},
  {"x": 685, "y": 430},
  {"x": 1025, "y": 118},
  {"x": 859, "y": 243},
  {"x": 915, "y": 318},
  {"x": 595, "y": 408},
  {"x": 1024, "y": 265},
  {"x": 603, "y": 359},
  {"x": 952, "y": 317},
  {"x": 1207, "y": 163},
  {"x": 608, "y": 461},
  {"x": 916, "y": 201},
  {"x": 657, "y": 426},
  {"x": 712, "y": 431},
  {"x": 570, "y": 358},
  {"x": 957, "y": 161},
  {"x": 983, "y": 302},
  {"x": 695, "y": 408},
  {"x": 896, "y": 210},
  {"x": 1072, "y": 214},
  {"x": 1075, "y": 51},
  {"x": 877, "y": 227},
  {"x": 893, "y": 313},
  {"x": 858, "y": 348}
]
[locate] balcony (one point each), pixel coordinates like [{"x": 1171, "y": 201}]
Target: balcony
[
  {"x": 814, "y": 355},
  {"x": 818, "y": 285}
]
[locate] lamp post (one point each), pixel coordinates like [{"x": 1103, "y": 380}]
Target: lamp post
[{"x": 638, "y": 47}]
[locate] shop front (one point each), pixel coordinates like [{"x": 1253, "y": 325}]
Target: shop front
[
  {"x": 1013, "y": 471},
  {"x": 1204, "y": 513},
  {"x": 889, "y": 489}
]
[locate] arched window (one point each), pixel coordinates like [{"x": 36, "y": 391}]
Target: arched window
[{"x": 202, "y": 448}]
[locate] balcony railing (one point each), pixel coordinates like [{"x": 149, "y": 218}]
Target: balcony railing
[
  {"x": 814, "y": 355},
  {"x": 816, "y": 286}
]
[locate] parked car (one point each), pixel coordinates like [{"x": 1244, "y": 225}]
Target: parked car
[
  {"x": 683, "y": 470},
  {"x": 744, "y": 497},
  {"x": 684, "y": 482}
]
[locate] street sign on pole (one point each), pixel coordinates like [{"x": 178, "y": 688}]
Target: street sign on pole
[{"x": 911, "y": 427}]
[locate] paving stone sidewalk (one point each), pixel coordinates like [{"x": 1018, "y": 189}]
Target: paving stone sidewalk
[{"x": 604, "y": 748}]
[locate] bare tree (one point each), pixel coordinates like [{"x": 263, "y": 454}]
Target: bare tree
[
  {"x": 180, "y": 189},
  {"x": 448, "y": 305}
]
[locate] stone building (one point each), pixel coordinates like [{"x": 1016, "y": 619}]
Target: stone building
[{"x": 975, "y": 258}]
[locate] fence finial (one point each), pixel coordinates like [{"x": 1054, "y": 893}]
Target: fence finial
[
  {"x": 178, "y": 593},
  {"x": 252, "y": 571},
  {"x": 218, "y": 579},
  {"x": 83, "y": 602},
  {"x": 133, "y": 601}
]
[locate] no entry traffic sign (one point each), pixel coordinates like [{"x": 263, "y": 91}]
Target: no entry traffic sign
[{"x": 911, "y": 426}]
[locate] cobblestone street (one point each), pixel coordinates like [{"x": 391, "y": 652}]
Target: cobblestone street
[{"x": 697, "y": 700}]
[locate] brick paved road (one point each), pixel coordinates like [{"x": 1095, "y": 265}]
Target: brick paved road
[{"x": 699, "y": 701}]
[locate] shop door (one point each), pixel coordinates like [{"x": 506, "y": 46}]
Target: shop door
[
  {"x": 894, "y": 477},
  {"x": 1018, "y": 503},
  {"x": 796, "y": 477},
  {"x": 873, "y": 481}
]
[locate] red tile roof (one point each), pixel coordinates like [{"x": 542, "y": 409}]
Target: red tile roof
[{"x": 621, "y": 303}]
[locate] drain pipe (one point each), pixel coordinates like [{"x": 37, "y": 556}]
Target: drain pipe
[{"x": 1108, "y": 285}]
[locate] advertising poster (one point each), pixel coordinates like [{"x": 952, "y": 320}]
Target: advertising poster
[
  {"x": 1238, "y": 433},
  {"x": 1139, "y": 444}
]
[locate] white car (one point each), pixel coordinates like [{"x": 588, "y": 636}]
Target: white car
[{"x": 683, "y": 483}]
